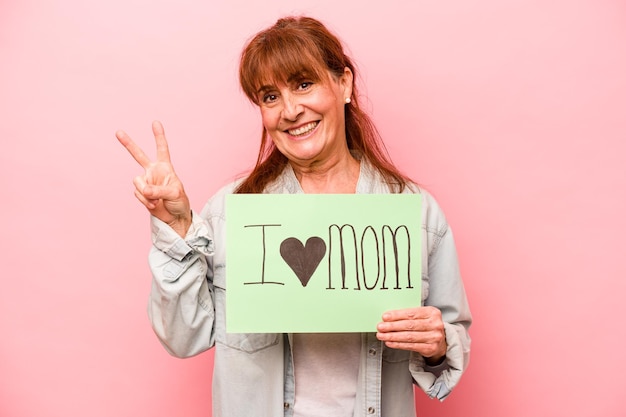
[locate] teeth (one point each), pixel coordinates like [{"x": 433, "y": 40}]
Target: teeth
[{"x": 304, "y": 129}]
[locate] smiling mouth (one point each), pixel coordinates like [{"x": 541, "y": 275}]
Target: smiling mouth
[{"x": 303, "y": 130}]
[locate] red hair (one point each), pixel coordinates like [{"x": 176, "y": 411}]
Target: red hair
[{"x": 296, "y": 45}]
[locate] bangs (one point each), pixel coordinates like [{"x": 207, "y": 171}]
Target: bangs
[{"x": 273, "y": 59}]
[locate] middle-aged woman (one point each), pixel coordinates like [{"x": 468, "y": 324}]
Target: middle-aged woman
[{"x": 316, "y": 139}]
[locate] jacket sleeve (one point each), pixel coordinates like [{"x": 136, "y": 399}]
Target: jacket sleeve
[
  {"x": 180, "y": 307},
  {"x": 447, "y": 293}
]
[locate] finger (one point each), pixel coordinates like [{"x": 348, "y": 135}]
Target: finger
[
  {"x": 150, "y": 204},
  {"x": 162, "y": 192},
  {"x": 419, "y": 325},
  {"x": 140, "y": 193},
  {"x": 163, "y": 152},
  {"x": 132, "y": 148},
  {"x": 425, "y": 349},
  {"x": 407, "y": 314},
  {"x": 157, "y": 192},
  {"x": 411, "y": 336},
  {"x": 428, "y": 344}
]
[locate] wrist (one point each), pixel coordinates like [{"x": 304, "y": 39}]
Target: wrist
[
  {"x": 438, "y": 357},
  {"x": 435, "y": 360},
  {"x": 182, "y": 224}
]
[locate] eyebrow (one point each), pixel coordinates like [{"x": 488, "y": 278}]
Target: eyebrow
[
  {"x": 265, "y": 88},
  {"x": 296, "y": 77},
  {"x": 302, "y": 75}
]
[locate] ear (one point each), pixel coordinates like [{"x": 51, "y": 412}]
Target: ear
[{"x": 346, "y": 81}]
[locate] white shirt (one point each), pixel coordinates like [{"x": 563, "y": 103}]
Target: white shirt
[{"x": 326, "y": 367}]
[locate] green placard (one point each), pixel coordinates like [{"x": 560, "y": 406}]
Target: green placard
[{"x": 300, "y": 263}]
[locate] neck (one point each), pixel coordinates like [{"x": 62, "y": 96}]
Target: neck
[{"x": 337, "y": 176}]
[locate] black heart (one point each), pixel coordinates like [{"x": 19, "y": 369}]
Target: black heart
[{"x": 303, "y": 260}]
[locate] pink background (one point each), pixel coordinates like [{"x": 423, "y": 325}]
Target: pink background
[{"x": 513, "y": 113}]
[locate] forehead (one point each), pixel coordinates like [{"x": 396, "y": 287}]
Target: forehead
[
  {"x": 274, "y": 80},
  {"x": 285, "y": 67}
]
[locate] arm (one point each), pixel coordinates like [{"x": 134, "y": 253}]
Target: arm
[
  {"x": 447, "y": 294},
  {"x": 437, "y": 333},
  {"x": 181, "y": 307}
]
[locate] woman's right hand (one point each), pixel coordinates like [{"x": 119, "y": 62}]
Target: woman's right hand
[{"x": 159, "y": 189}]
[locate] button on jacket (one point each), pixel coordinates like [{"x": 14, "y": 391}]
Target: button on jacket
[{"x": 253, "y": 373}]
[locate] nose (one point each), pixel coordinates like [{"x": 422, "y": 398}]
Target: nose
[{"x": 292, "y": 108}]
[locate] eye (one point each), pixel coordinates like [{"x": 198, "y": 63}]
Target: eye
[
  {"x": 304, "y": 85},
  {"x": 269, "y": 98}
]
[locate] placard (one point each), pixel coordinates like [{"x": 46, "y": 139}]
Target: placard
[{"x": 301, "y": 263}]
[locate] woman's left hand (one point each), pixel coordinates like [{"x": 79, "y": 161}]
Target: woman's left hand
[{"x": 417, "y": 329}]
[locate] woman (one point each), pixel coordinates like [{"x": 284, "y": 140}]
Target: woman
[{"x": 315, "y": 139}]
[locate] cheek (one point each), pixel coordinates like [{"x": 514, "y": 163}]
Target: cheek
[
  {"x": 269, "y": 118},
  {"x": 336, "y": 111},
  {"x": 334, "y": 106}
]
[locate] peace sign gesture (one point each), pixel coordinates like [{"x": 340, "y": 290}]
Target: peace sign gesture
[{"x": 159, "y": 189}]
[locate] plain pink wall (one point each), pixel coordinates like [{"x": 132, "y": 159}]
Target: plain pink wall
[{"x": 512, "y": 113}]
